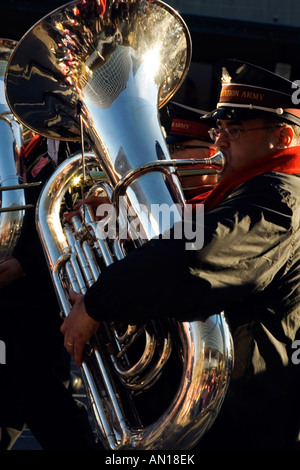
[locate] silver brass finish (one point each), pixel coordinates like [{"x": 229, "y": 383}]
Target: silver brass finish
[
  {"x": 12, "y": 197},
  {"x": 110, "y": 69}
]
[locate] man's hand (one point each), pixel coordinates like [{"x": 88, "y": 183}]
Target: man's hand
[
  {"x": 10, "y": 269},
  {"x": 93, "y": 201},
  {"x": 78, "y": 328}
]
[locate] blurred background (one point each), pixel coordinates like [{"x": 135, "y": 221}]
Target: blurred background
[{"x": 264, "y": 32}]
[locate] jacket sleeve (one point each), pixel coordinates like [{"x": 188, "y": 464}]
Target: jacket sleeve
[{"x": 246, "y": 239}]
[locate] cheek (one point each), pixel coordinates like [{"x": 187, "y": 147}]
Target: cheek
[
  {"x": 242, "y": 155},
  {"x": 262, "y": 147},
  {"x": 238, "y": 156}
]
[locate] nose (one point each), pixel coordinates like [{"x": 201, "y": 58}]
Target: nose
[{"x": 222, "y": 140}]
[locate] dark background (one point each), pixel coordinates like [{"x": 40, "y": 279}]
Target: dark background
[{"x": 17, "y": 16}]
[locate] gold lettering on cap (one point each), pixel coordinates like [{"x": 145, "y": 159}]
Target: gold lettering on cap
[
  {"x": 180, "y": 125},
  {"x": 252, "y": 95},
  {"x": 226, "y": 92}
]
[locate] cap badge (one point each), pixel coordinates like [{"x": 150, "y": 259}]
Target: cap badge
[{"x": 226, "y": 78}]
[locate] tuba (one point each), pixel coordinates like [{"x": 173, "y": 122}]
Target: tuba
[
  {"x": 12, "y": 196},
  {"x": 98, "y": 72}
]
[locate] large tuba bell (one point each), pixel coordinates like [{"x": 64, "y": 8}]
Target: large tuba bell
[{"x": 101, "y": 69}]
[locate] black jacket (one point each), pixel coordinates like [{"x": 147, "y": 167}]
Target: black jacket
[{"x": 249, "y": 267}]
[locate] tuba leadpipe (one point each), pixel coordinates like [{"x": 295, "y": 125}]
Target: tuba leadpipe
[
  {"x": 216, "y": 162},
  {"x": 105, "y": 69},
  {"x": 211, "y": 165}
]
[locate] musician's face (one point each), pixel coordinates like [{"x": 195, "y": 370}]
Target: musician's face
[{"x": 244, "y": 142}]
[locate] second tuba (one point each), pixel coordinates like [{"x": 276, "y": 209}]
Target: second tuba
[
  {"x": 98, "y": 71},
  {"x": 12, "y": 194}
]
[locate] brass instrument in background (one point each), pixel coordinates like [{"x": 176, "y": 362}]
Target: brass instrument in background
[
  {"x": 12, "y": 196},
  {"x": 100, "y": 71}
]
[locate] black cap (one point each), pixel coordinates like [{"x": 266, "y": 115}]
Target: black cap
[
  {"x": 250, "y": 92},
  {"x": 185, "y": 123}
]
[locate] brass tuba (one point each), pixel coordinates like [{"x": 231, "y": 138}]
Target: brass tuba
[
  {"x": 101, "y": 70},
  {"x": 12, "y": 196}
]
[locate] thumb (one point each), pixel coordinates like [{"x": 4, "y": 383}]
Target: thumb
[{"x": 74, "y": 296}]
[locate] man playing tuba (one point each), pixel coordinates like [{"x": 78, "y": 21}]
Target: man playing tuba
[{"x": 249, "y": 265}]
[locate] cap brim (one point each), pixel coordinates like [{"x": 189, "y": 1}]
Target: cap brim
[{"x": 240, "y": 114}]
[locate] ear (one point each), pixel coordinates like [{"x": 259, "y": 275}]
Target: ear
[{"x": 285, "y": 135}]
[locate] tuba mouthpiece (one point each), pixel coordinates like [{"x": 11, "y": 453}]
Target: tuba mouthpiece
[{"x": 217, "y": 161}]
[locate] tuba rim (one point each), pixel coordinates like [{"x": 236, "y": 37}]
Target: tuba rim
[{"x": 14, "y": 83}]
